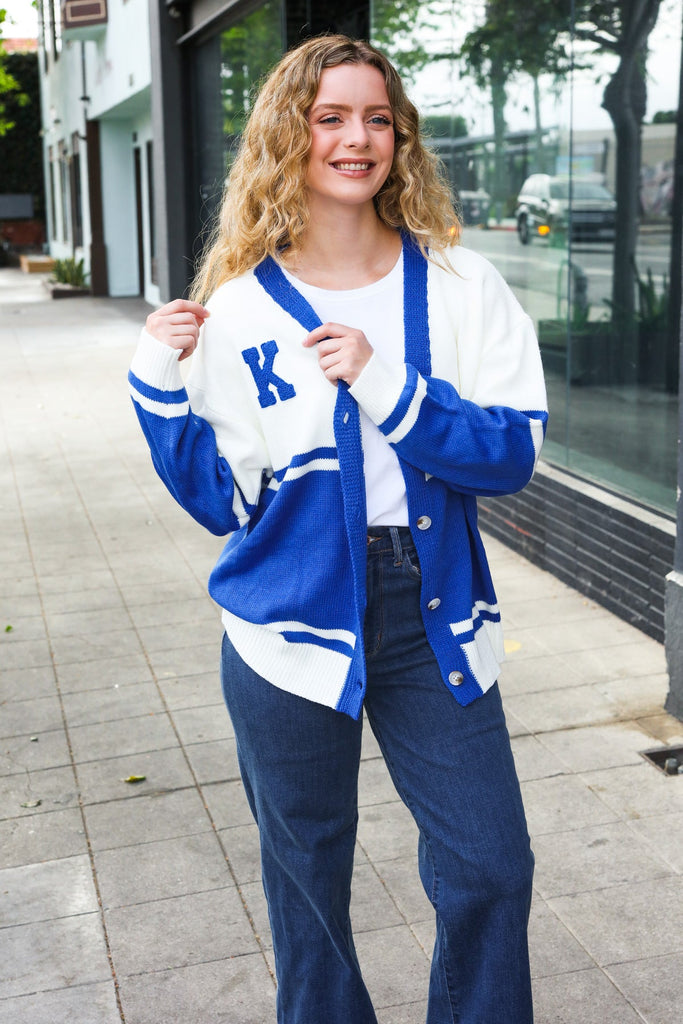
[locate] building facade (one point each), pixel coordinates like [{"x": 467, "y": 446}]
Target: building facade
[{"x": 563, "y": 146}]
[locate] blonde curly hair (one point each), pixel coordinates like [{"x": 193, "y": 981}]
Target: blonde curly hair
[{"x": 264, "y": 207}]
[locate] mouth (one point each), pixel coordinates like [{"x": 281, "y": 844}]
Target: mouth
[{"x": 353, "y": 165}]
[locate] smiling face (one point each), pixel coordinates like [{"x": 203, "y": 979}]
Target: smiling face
[{"x": 352, "y": 137}]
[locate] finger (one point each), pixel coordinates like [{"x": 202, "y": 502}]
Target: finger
[
  {"x": 329, "y": 330},
  {"x": 184, "y": 306}
]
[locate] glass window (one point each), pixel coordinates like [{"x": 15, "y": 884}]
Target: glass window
[
  {"x": 226, "y": 71},
  {"x": 565, "y": 182}
]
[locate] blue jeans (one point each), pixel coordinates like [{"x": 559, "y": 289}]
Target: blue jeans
[{"x": 453, "y": 768}]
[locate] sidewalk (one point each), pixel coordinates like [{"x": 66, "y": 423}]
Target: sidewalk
[{"x": 141, "y": 902}]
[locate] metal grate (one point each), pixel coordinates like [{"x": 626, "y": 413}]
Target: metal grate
[{"x": 667, "y": 759}]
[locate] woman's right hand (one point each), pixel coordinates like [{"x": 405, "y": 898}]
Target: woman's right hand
[{"x": 177, "y": 324}]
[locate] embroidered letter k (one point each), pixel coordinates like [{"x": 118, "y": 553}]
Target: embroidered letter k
[{"x": 264, "y": 376}]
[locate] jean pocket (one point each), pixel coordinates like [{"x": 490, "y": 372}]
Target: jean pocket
[{"x": 411, "y": 563}]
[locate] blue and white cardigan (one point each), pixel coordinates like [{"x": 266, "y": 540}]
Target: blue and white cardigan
[{"x": 260, "y": 446}]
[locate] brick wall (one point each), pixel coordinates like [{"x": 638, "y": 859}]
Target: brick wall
[{"x": 605, "y": 547}]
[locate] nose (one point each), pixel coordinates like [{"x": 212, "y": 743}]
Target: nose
[{"x": 357, "y": 134}]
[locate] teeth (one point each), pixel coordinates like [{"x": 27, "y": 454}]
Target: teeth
[{"x": 352, "y": 167}]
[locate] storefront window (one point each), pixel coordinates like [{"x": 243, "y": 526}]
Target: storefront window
[
  {"x": 561, "y": 155},
  {"x": 226, "y": 71}
]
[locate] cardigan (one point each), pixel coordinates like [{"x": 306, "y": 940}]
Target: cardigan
[{"x": 260, "y": 446}]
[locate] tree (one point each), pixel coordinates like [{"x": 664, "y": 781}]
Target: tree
[
  {"x": 516, "y": 37},
  {"x": 8, "y": 84},
  {"x": 623, "y": 29}
]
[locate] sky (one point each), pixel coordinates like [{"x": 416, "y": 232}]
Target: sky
[{"x": 25, "y": 17}]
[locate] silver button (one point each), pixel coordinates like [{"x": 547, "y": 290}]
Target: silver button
[
  {"x": 423, "y": 523},
  {"x": 456, "y": 679},
  {"x": 434, "y": 603}
]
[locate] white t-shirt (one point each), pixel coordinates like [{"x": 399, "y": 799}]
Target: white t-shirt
[{"x": 377, "y": 311}]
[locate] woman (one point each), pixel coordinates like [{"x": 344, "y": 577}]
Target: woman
[{"x": 360, "y": 379}]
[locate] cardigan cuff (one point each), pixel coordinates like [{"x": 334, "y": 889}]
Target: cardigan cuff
[
  {"x": 157, "y": 364},
  {"x": 378, "y": 388}
]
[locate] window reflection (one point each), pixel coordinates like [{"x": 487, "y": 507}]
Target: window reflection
[{"x": 560, "y": 147}]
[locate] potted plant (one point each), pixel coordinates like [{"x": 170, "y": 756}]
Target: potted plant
[{"x": 68, "y": 279}]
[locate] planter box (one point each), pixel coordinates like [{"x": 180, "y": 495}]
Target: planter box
[
  {"x": 33, "y": 264},
  {"x": 591, "y": 350},
  {"x": 64, "y": 291}
]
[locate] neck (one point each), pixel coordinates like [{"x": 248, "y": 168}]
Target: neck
[{"x": 345, "y": 248}]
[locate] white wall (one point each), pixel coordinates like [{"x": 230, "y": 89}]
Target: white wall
[{"x": 118, "y": 194}]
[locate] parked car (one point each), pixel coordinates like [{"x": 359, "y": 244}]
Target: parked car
[
  {"x": 543, "y": 208},
  {"x": 474, "y": 206}
]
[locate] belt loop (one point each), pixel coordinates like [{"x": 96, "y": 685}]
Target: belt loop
[{"x": 396, "y": 542}]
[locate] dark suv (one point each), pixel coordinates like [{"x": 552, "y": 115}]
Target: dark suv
[{"x": 543, "y": 209}]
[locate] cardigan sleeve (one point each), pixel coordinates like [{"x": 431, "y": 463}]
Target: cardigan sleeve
[
  {"x": 487, "y": 443},
  {"x": 205, "y": 443}
]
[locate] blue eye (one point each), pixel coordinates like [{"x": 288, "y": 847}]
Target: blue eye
[{"x": 380, "y": 119}]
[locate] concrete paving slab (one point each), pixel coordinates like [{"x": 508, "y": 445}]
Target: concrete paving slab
[
  {"x": 552, "y": 947},
  {"x": 401, "y": 878},
  {"x": 30, "y": 716},
  {"x": 664, "y": 833},
  {"x": 238, "y": 990},
  {"x": 654, "y": 985},
  {"x": 35, "y": 838},
  {"x": 26, "y": 754},
  {"x": 203, "y": 723},
  {"x": 561, "y": 803},
  {"x": 372, "y": 906},
  {"x": 146, "y": 819},
  {"x": 637, "y": 791},
  {"x": 20, "y": 683},
  {"x": 227, "y": 804},
  {"x": 565, "y": 708},
  {"x": 160, "y": 870},
  {"x": 164, "y": 771},
  {"x": 111, "y": 703},
  {"x": 192, "y": 691},
  {"x": 215, "y": 761},
  {"x": 394, "y": 966},
  {"x": 625, "y": 922},
  {"x": 185, "y": 661},
  {"x": 533, "y": 760},
  {"x": 54, "y": 788},
  {"x": 387, "y": 831},
  {"x": 241, "y": 844},
  {"x": 123, "y": 736},
  {"x": 39, "y": 892},
  {"x": 176, "y": 932},
  {"x": 97, "y": 673},
  {"x": 586, "y": 996},
  {"x": 599, "y": 746},
  {"x": 87, "y": 1004},
  {"x": 52, "y": 954},
  {"x": 594, "y": 858}
]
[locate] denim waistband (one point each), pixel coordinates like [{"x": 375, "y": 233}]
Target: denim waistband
[{"x": 389, "y": 539}]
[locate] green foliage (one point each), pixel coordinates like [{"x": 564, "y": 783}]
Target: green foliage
[
  {"x": 529, "y": 37},
  {"x": 70, "y": 271},
  {"x": 398, "y": 26},
  {"x": 653, "y": 306},
  {"x": 21, "y": 160},
  {"x": 664, "y": 117},
  {"x": 8, "y": 86},
  {"x": 443, "y": 126},
  {"x": 248, "y": 51}
]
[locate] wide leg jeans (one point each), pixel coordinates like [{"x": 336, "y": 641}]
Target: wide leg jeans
[{"x": 452, "y": 767}]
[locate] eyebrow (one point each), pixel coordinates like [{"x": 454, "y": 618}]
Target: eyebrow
[{"x": 347, "y": 109}]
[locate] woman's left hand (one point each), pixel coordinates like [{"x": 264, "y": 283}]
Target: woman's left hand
[{"x": 342, "y": 351}]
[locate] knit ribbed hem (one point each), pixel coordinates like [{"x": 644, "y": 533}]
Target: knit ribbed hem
[
  {"x": 313, "y": 672},
  {"x": 157, "y": 364},
  {"x": 379, "y": 388}
]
